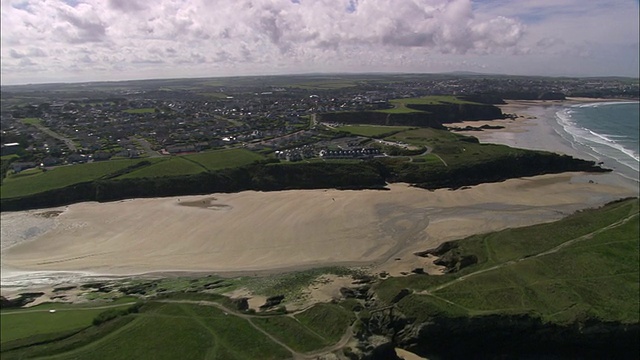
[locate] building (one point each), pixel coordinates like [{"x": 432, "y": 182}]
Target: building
[{"x": 9, "y": 148}]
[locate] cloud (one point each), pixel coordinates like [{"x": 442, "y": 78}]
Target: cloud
[{"x": 262, "y": 36}]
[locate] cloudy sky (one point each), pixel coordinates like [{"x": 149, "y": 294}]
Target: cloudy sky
[{"x": 90, "y": 40}]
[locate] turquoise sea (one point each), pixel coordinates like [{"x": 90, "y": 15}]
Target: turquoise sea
[{"x": 609, "y": 132}]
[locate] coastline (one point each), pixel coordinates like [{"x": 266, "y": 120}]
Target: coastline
[
  {"x": 536, "y": 128},
  {"x": 257, "y": 233}
]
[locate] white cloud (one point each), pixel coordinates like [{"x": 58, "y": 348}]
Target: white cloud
[{"x": 116, "y": 39}]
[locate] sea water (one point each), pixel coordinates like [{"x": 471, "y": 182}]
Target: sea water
[{"x": 609, "y": 132}]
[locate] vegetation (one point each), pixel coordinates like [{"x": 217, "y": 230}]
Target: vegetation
[
  {"x": 140, "y": 111},
  {"x": 32, "y": 121},
  {"x": 38, "y": 320},
  {"x": 174, "y": 166},
  {"x": 221, "y": 159},
  {"x": 582, "y": 267},
  {"x": 403, "y": 106},
  {"x": 292, "y": 333},
  {"x": 327, "y": 320},
  {"x": 63, "y": 176},
  {"x": 372, "y": 131},
  {"x": 538, "y": 284}
]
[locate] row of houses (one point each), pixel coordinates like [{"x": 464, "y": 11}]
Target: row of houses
[{"x": 349, "y": 154}]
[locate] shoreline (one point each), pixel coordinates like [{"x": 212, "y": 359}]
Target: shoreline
[
  {"x": 260, "y": 233},
  {"x": 536, "y": 128}
]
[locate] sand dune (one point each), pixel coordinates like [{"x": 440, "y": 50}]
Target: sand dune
[{"x": 253, "y": 231}]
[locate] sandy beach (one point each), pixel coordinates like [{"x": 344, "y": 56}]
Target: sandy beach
[{"x": 251, "y": 232}]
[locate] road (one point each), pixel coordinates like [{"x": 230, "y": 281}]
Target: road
[
  {"x": 144, "y": 144},
  {"x": 70, "y": 145}
]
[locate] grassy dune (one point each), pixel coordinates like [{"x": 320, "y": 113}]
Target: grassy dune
[{"x": 585, "y": 266}]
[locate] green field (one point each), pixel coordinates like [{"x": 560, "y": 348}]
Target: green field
[
  {"x": 292, "y": 333},
  {"x": 400, "y": 105},
  {"x": 327, "y": 320},
  {"x": 221, "y": 159},
  {"x": 159, "y": 331},
  {"x": 454, "y": 149},
  {"x": 173, "y": 330},
  {"x": 585, "y": 266},
  {"x": 31, "y": 121},
  {"x": 173, "y": 166},
  {"x": 372, "y": 130},
  {"x": 37, "y": 181},
  {"x": 9, "y": 157},
  {"x": 140, "y": 111},
  {"x": 37, "y": 320}
]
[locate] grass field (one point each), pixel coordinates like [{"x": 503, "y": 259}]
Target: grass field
[
  {"x": 39, "y": 181},
  {"x": 21, "y": 323},
  {"x": 32, "y": 121},
  {"x": 8, "y": 157},
  {"x": 173, "y": 166},
  {"x": 221, "y": 159},
  {"x": 36, "y": 181},
  {"x": 140, "y": 111},
  {"x": 453, "y": 148},
  {"x": 585, "y": 266},
  {"x": 327, "y": 320},
  {"x": 292, "y": 333},
  {"x": 400, "y": 105},
  {"x": 164, "y": 331},
  {"x": 371, "y": 130}
]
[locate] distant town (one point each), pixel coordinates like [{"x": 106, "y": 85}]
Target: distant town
[{"x": 55, "y": 124}]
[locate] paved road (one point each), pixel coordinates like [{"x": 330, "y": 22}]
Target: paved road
[
  {"x": 53, "y": 134},
  {"x": 144, "y": 144}
]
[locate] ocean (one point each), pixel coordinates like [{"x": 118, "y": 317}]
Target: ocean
[{"x": 609, "y": 132}]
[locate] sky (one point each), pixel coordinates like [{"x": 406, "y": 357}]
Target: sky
[{"x": 46, "y": 41}]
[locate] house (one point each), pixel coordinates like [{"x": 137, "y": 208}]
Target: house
[
  {"x": 9, "y": 149},
  {"x": 50, "y": 161},
  {"x": 19, "y": 166}
]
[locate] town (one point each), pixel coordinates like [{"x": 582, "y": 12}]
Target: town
[{"x": 57, "y": 124}]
